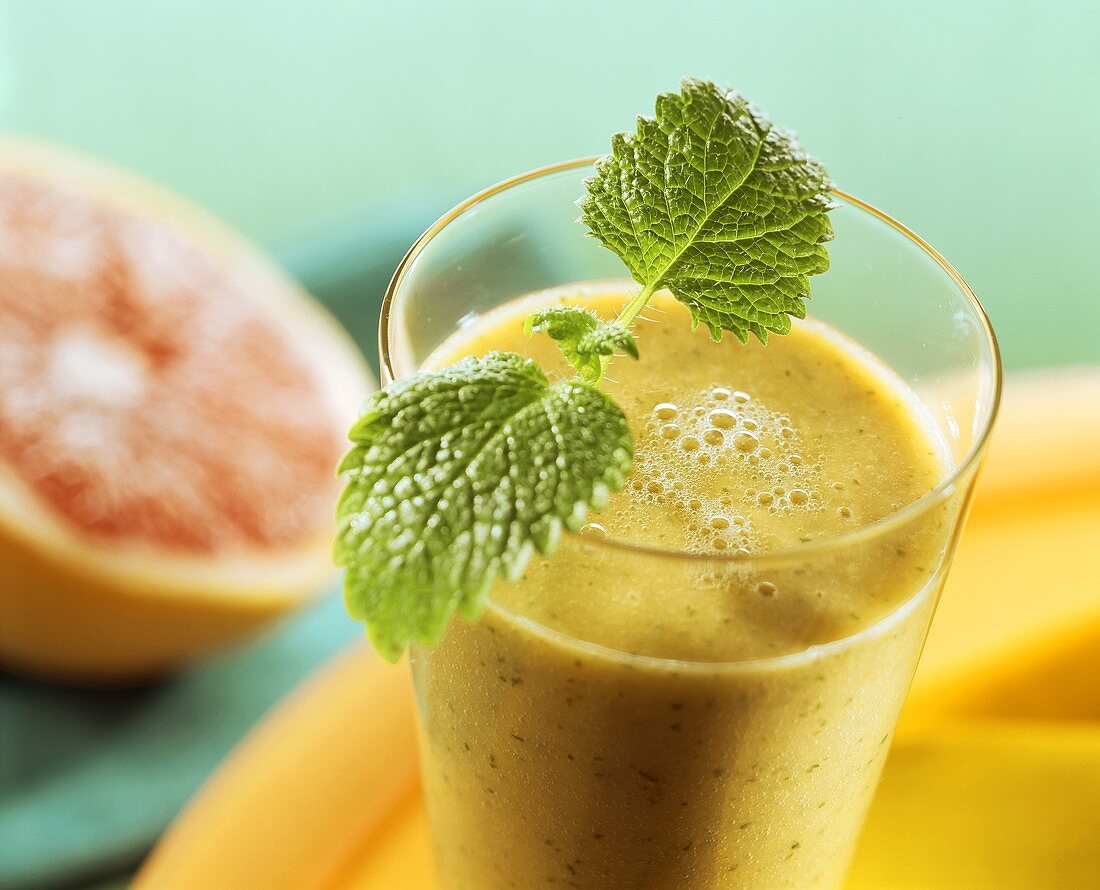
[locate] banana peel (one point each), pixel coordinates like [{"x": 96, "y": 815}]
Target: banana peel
[
  {"x": 993, "y": 780},
  {"x": 970, "y": 805},
  {"x": 985, "y": 804},
  {"x": 290, "y": 808}
]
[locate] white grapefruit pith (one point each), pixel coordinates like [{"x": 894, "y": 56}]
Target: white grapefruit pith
[{"x": 172, "y": 408}]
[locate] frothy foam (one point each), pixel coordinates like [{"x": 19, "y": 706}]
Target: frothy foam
[{"x": 721, "y": 457}]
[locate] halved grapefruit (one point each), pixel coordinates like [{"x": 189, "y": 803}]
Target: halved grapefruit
[{"x": 172, "y": 408}]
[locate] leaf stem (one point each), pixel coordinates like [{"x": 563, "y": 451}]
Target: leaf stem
[
  {"x": 627, "y": 314},
  {"x": 634, "y": 308}
]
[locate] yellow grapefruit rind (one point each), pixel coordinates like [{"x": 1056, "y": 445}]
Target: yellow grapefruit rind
[{"x": 74, "y": 611}]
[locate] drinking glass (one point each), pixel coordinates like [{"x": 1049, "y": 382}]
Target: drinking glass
[{"x": 552, "y": 758}]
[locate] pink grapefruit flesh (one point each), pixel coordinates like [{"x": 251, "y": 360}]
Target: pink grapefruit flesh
[{"x": 146, "y": 397}]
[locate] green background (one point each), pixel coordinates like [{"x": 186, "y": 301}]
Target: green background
[{"x": 332, "y": 131}]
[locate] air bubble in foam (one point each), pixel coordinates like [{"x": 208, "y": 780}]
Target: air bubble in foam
[
  {"x": 723, "y": 419},
  {"x": 594, "y": 530},
  {"x": 746, "y": 442}
]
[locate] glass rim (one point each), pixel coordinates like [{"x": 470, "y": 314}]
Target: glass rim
[{"x": 943, "y": 490}]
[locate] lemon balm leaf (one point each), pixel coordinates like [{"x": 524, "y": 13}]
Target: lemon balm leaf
[
  {"x": 583, "y": 337},
  {"x": 711, "y": 201},
  {"x": 455, "y": 477}
]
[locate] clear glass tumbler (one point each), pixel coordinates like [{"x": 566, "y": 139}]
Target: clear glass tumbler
[{"x": 551, "y": 759}]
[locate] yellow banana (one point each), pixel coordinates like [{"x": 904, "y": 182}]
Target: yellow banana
[
  {"x": 977, "y": 792},
  {"x": 985, "y": 805},
  {"x": 293, "y": 803}
]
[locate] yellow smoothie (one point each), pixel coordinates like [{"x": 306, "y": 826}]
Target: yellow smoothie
[{"x": 698, "y": 690}]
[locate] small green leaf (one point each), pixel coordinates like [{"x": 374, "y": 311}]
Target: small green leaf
[
  {"x": 713, "y": 202},
  {"x": 583, "y": 337},
  {"x": 455, "y": 476}
]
